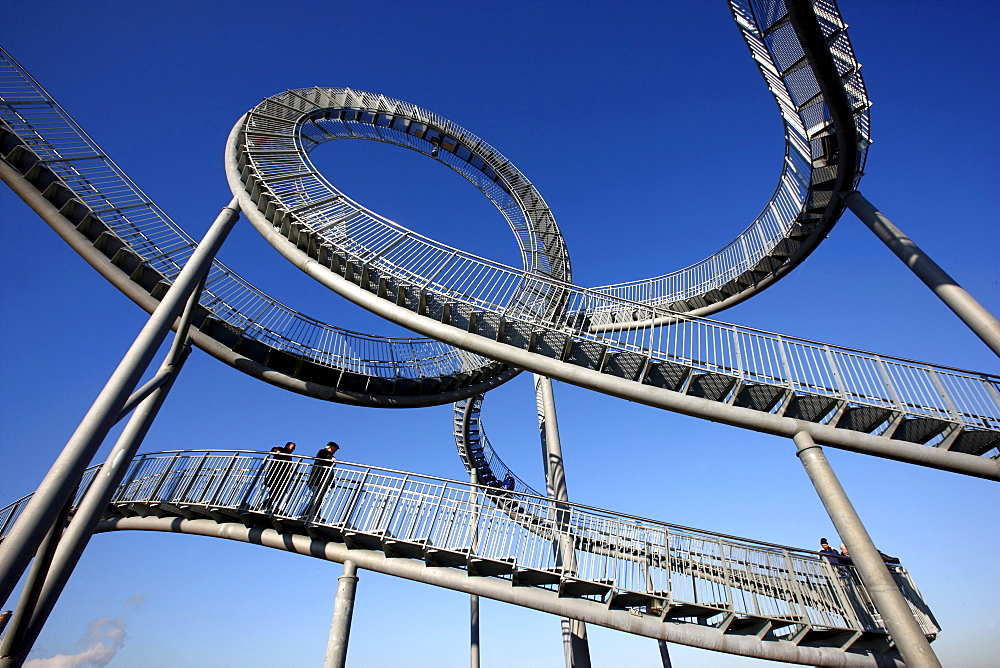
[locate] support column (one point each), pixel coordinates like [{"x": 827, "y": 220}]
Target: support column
[
  {"x": 56, "y": 488},
  {"x": 343, "y": 611},
  {"x": 906, "y": 632},
  {"x": 14, "y": 639},
  {"x": 473, "y": 598},
  {"x": 574, "y": 632},
  {"x": 664, "y": 653},
  {"x": 31, "y": 615},
  {"x": 964, "y": 305}
]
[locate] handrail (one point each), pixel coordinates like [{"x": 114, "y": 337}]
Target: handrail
[
  {"x": 66, "y": 149},
  {"x": 624, "y": 554}
]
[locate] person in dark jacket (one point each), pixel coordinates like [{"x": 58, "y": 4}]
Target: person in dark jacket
[
  {"x": 277, "y": 473},
  {"x": 319, "y": 478},
  {"x": 831, "y": 554}
]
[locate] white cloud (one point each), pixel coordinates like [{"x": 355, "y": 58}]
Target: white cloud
[
  {"x": 136, "y": 600},
  {"x": 103, "y": 640}
]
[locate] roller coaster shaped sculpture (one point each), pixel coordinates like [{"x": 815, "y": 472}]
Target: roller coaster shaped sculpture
[{"x": 646, "y": 341}]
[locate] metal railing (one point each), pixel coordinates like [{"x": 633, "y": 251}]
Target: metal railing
[
  {"x": 417, "y": 263},
  {"x": 473, "y": 442},
  {"x": 670, "y": 565},
  {"x": 63, "y": 146}
]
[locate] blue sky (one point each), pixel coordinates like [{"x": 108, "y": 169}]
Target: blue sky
[{"x": 653, "y": 139}]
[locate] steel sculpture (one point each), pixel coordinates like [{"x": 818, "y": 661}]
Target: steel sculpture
[
  {"x": 630, "y": 573},
  {"x": 645, "y": 341}
]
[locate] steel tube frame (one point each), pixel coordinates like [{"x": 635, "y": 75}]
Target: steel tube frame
[
  {"x": 574, "y": 632},
  {"x": 474, "y": 657},
  {"x": 13, "y": 641},
  {"x": 543, "y": 600},
  {"x": 343, "y": 612},
  {"x": 56, "y": 488},
  {"x": 31, "y": 618},
  {"x": 649, "y": 395},
  {"x": 884, "y": 592},
  {"x": 964, "y": 305}
]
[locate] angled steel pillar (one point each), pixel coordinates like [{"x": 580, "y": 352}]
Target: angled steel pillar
[
  {"x": 964, "y": 305},
  {"x": 343, "y": 611},
  {"x": 56, "y": 488},
  {"x": 888, "y": 600},
  {"x": 11, "y": 655},
  {"x": 33, "y": 611},
  {"x": 574, "y": 632}
]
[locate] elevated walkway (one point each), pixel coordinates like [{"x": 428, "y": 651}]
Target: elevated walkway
[{"x": 650, "y": 578}]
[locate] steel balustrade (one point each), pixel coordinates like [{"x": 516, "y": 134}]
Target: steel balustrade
[
  {"x": 674, "y": 573},
  {"x": 106, "y": 209},
  {"x": 888, "y": 397}
]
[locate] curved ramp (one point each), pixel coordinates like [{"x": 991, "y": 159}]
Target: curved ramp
[
  {"x": 51, "y": 163},
  {"x": 654, "y": 579},
  {"x": 748, "y": 378}
]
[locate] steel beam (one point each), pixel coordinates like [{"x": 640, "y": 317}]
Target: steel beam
[
  {"x": 31, "y": 619},
  {"x": 964, "y": 305},
  {"x": 884, "y": 592},
  {"x": 624, "y": 388},
  {"x": 544, "y": 600},
  {"x": 55, "y": 489}
]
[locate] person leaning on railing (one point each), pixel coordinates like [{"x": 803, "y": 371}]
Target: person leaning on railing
[{"x": 319, "y": 478}]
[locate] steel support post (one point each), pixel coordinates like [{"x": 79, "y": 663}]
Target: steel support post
[
  {"x": 902, "y": 626},
  {"x": 474, "y": 631},
  {"x": 574, "y": 632},
  {"x": 10, "y": 656},
  {"x": 474, "y": 599},
  {"x": 55, "y": 489},
  {"x": 664, "y": 653},
  {"x": 343, "y": 611},
  {"x": 30, "y": 618},
  {"x": 964, "y": 305}
]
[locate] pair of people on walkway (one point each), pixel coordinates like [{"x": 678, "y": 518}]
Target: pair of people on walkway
[{"x": 278, "y": 473}]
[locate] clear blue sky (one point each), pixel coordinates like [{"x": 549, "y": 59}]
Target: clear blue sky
[{"x": 651, "y": 135}]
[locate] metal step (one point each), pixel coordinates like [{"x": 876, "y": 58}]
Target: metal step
[
  {"x": 356, "y": 540},
  {"x": 712, "y": 386},
  {"x": 809, "y": 407},
  {"x": 551, "y": 344},
  {"x": 863, "y": 418},
  {"x": 463, "y": 316},
  {"x": 587, "y": 354},
  {"x": 402, "y": 549},
  {"x": 534, "y": 578},
  {"x": 490, "y": 567},
  {"x": 757, "y": 627},
  {"x": 667, "y": 375},
  {"x": 976, "y": 441},
  {"x": 518, "y": 334},
  {"x": 919, "y": 429},
  {"x": 700, "y": 612},
  {"x": 489, "y": 324},
  {"x": 453, "y": 558},
  {"x": 624, "y": 365},
  {"x": 621, "y": 600},
  {"x": 759, "y": 397},
  {"x": 575, "y": 588}
]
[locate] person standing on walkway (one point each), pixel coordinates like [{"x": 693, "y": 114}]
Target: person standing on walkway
[
  {"x": 277, "y": 473},
  {"x": 319, "y": 479}
]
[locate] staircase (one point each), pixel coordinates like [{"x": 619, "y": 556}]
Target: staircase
[{"x": 648, "y": 577}]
